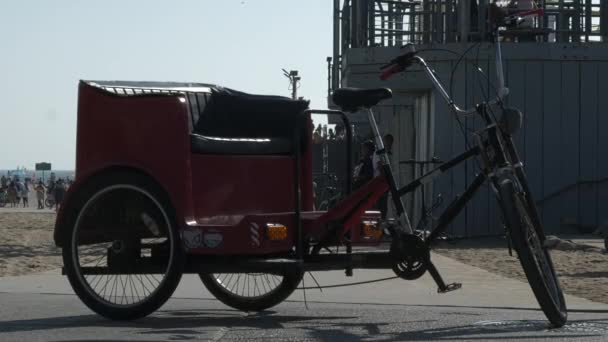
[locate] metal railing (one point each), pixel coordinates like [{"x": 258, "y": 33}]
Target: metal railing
[{"x": 397, "y": 22}]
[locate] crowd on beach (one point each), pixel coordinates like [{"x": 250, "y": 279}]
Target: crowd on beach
[
  {"x": 15, "y": 192},
  {"x": 322, "y": 133}
]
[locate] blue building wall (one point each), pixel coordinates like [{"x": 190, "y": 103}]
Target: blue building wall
[{"x": 562, "y": 90}]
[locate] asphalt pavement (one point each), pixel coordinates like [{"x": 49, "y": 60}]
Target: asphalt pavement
[{"x": 43, "y": 307}]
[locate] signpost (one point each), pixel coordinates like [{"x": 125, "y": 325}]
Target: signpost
[{"x": 43, "y": 167}]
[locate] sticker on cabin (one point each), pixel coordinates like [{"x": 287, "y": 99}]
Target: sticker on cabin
[
  {"x": 192, "y": 238},
  {"x": 212, "y": 240}
]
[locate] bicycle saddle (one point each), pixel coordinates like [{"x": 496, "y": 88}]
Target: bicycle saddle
[{"x": 352, "y": 99}]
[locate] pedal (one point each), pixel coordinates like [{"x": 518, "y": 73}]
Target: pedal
[{"x": 450, "y": 287}]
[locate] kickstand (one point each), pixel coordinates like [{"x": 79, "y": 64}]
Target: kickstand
[
  {"x": 315, "y": 280},
  {"x": 441, "y": 285}
]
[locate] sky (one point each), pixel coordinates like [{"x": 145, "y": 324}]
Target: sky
[{"x": 47, "y": 46}]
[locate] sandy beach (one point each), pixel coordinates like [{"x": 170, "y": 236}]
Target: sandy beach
[
  {"x": 583, "y": 272},
  {"x": 26, "y": 246},
  {"x": 26, "y": 243}
]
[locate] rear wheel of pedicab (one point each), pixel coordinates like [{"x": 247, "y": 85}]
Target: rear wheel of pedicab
[
  {"x": 122, "y": 253},
  {"x": 533, "y": 255},
  {"x": 252, "y": 291}
]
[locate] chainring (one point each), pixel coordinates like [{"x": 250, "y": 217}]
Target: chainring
[{"x": 410, "y": 256}]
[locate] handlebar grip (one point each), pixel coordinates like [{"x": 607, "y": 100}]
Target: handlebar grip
[{"x": 391, "y": 71}]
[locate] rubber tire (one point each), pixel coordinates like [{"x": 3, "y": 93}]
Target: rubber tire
[
  {"x": 555, "y": 312},
  {"x": 49, "y": 203},
  {"x": 174, "y": 274},
  {"x": 290, "y": 282}
]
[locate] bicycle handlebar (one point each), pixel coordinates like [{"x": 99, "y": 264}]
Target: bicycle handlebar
[
  {"x": 404, "y": 61},
  {"x": 395, "y": 69},
  {"x": 518, "y": 17}
]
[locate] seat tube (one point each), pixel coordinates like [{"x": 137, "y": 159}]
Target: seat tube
[{"x": 388, "y": 173}]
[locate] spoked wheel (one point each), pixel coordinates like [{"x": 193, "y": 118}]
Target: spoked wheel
[
  {"x": 251, "y": 291},
  {"x": 123, "y": 255},
  {"x": 533, "y": 255}
]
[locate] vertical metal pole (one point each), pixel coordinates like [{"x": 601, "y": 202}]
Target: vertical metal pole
[
  {"x": 426, "y": 21},
  {"x": 561, "y": 19},
  {"x": 587, "y": 20},
  {"x": 399, "y": 25},
  {"x": 382, "y": 25},
  {"x": 438, "y": 22},
  {"x": 391, "y": 26},
  {"x": 371, "y": 23},
  {"x": 545, "y": 21},
  {"x": 576, "y": 22},
  {"x": 328, "y": 77},
  {"x": 388, "y": 173},
  {"x": 364, "y": 23},
  {"x": 297, "y": 189},
  {"x": 412, "y": 18},
  {"x": 354, "y": 19},
  {"x": 449, "y": 27},
  {"x": 604, "y": 20},
  {"x": 463, "y": 25},
  {"x": 336, "y": 67}
]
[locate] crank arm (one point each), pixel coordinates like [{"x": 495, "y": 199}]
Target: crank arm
[{"x": 441, "y": 285}]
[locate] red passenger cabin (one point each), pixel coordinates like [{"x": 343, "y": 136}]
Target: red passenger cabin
[{"x": 226, "y": 159}]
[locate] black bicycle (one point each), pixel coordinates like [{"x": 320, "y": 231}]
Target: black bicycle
[
  {"x": 329, "y": 193},
  {"x": 499, "y": 163}
]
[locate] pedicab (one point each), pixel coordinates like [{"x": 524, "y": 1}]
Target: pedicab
[{"x": 190, "y": 178}]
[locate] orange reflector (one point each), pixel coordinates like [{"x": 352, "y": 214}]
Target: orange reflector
[
  {"x": 372, "y": 230},
  {"x": 276, "y": 231}
]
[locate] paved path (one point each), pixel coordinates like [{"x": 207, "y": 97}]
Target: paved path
[{"x": 489, "y": 307}]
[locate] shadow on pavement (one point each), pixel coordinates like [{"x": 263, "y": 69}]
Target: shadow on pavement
[{"x": 186, "y": 325}]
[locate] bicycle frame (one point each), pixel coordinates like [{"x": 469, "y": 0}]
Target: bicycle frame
[{"x": 350, "y": 209}]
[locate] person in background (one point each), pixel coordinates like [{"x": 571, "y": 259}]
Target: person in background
[
  {"x": 59, "y": 192},
  {"x": 3, "y": 182},
  {"x": 50, "y": 191},
  {"x": 332, "y": 135},
  {"x": 316, "y": 138},
  {"x": 364, "y": 171},
  {"x": 382, "y": 203},
  {"x": 12, "y": 194},
  {"x": 40, "y": 189},
  {"x": 25, "y": 194},
  {"x": 340, "y": 132},
  {"x": 18, "y": 189}
]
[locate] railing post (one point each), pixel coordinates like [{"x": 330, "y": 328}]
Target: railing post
[
  {"x": 335, "y": 78},
  {"x": 465, "y": 19}
]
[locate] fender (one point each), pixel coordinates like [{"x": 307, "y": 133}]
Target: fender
[{"x": 71, "y": 198}]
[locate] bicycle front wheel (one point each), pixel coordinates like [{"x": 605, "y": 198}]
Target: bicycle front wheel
[{"x": 533, "y": 255}]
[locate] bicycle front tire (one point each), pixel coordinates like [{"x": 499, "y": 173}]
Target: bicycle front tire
[{"x": 533, "y": 255}]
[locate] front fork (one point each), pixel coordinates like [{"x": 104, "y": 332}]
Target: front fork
[{"x": 507, "y": 158}]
